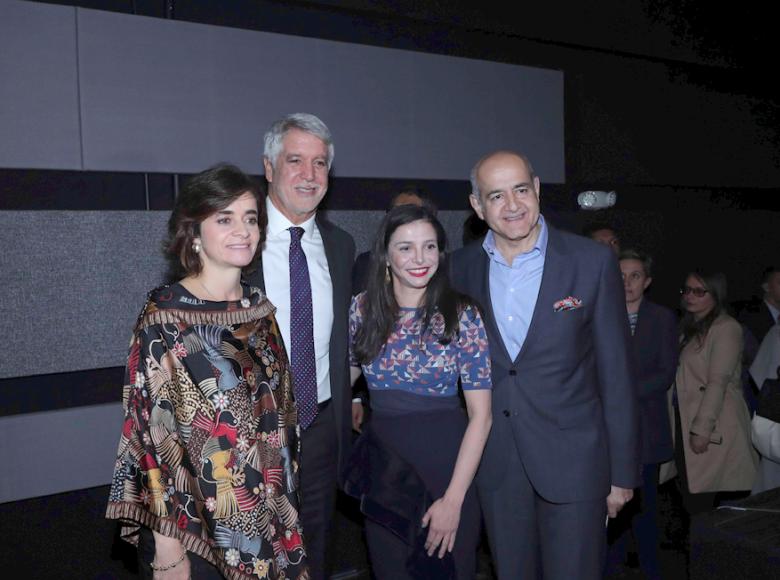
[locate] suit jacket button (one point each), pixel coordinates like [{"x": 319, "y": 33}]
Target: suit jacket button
[
  {"x": 512, "y": 372},
  {"x": 702, "y": 388},
  {"x": 506, "y": 412}
]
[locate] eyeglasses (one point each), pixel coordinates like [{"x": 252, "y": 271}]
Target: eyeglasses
[{"x": 698, "y": 292}]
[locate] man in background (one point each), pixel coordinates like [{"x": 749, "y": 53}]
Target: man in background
[
  {"x": 604, "y": 234},
  {"x": 761, "y": 315}
]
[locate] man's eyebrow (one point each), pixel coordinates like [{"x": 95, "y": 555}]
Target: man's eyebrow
[{"x": 515, "y": 186}]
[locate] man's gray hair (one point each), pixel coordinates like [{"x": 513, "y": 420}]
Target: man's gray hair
[
  {"x": 303, "y": 122},
  {"x": 478, "y": 164}
]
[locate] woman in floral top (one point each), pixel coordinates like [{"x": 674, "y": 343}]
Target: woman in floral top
[
  {"x": 206, "y": 475},
  {"x": 415, "y": 339}
]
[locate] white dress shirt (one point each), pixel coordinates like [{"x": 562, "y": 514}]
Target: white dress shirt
[{"x": 276, "y": 273}]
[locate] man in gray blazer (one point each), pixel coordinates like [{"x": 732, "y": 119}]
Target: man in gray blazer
[
  {"x": 563, "y": 450},
  {"x": 297, "y": 158}
]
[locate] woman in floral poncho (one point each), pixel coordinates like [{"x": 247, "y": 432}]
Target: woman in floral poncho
[{"x": 205, "y": 480}]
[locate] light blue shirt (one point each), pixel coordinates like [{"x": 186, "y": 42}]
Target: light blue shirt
[{"x": 514, "y": 288}]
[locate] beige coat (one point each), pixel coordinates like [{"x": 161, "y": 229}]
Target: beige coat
[{"x": 711, "y": 403}]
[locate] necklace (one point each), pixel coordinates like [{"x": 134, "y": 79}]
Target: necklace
[{"x": 244, "y": 301}]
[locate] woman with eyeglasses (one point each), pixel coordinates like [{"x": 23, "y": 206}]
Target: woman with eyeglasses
[{"x": 713, "y": 453}]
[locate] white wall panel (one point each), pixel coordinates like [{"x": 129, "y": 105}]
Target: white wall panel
[
  {"x": 58, "y": 451},
  {"x": 171, "y": 96}
]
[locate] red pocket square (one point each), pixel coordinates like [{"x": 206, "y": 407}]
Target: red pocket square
[{"x": 568, "y": 303}]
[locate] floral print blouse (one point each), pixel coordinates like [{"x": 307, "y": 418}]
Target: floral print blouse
[
  {"x": 209, "y": 443},
  {"x": 414, "y": 361}
]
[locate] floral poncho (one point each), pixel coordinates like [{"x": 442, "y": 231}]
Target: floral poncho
[{"x": 209, "y": 444}]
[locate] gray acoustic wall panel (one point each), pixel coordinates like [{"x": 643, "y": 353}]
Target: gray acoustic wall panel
[
  {"x": 74, "y": 282},
  {"x": 364, "y": 225},
  {"x": 58, "y": 451},
  {"x": 170, "y": 96},
  {"x": 73, "y": 285},
  {"x": 39, "y": 114}
]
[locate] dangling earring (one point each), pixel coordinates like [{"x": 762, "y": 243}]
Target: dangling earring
[
  {"x": 387, "y": 274},
  {"x": 196, "y": 247}
]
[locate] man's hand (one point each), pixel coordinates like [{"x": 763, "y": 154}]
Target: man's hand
[
  {"x": 617, "y": 498},
  {"x": 357, "y": 415},
  {"x": 699, "y": 443}
]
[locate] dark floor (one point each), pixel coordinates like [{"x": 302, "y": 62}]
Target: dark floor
[{"x": 66, "y": 536}]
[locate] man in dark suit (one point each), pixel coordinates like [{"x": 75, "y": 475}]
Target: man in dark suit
[
  {"x": 563, "y": 449},
  {"x": 654, "y": 347},
  {"x": 762, "y": 315},
  {"x": 305, "y": 271}
]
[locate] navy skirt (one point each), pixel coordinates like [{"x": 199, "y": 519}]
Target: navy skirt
[{"x": 403, "y": 462}]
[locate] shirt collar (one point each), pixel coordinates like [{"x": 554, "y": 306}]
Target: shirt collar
[
  {"x": 539, "y": 249},
  {"x": 278, "y": 222},
  {"x": 773, "y": 311}
]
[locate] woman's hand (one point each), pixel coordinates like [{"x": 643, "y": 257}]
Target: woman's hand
[
  {"x": 443, "y": 517},
  {"x": 357, "y": 415},
  {"x": 699, "y": 443}
]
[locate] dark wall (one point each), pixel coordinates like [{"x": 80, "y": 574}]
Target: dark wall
[{"x": 666, "y": 103}]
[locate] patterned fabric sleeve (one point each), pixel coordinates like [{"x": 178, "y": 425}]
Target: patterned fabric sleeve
[
  {"x": 354, "y": 324},
  {"x": 143, "y": 482},
  {"x": 473, "y": 353},
  {"x": 209, "y": 444}
]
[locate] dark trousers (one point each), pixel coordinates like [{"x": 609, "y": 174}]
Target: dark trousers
[
  {"x": 318, "y": 477},
  {"x": 639, "y": 516},
  {"x": 531, "y": 537}
]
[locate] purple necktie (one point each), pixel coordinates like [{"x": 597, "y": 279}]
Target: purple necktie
[{"x": 302, "y": 360}]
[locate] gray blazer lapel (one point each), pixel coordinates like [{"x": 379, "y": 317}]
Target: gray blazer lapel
[
  {"x": 335, "y": 262},
  {"x": 554, "y": 271}
]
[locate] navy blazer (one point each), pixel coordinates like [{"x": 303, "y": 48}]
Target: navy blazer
[
  {"x": 340, "y": 253},
  {"x": 568, "y": 401},
  {"x": 655, "y": 350}
]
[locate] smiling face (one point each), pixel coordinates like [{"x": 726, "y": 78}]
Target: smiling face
[
  {"x": 635, "y": 281},
  {"x": 699, "y": 306},
  {"x": 229, "y": 237},
  {"x": 413, "y": 258},
  {"x": 508, "y": 202},
  {"x": 299, "y": 180}
]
